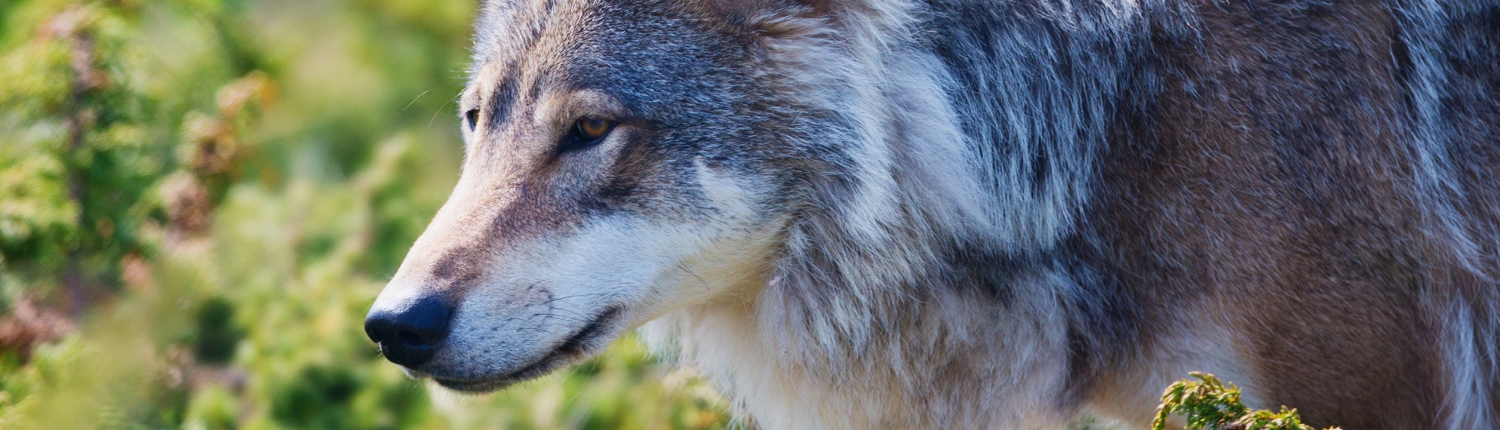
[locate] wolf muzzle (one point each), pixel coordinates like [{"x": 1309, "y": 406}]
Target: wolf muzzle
[{"x": 411, "y": 332}]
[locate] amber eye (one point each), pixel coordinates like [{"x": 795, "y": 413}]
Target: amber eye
[
  {"x": 473, "y": 116},
  {"x": 590, "y": 129}
]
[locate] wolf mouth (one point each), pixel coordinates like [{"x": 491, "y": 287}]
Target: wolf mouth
[{"x": 575, "y": 347}]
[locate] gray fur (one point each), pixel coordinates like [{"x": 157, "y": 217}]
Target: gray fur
[{"x": 997, "y": 213}]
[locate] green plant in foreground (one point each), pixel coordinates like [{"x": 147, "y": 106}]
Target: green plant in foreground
[{"x": 1208, "y": 404}]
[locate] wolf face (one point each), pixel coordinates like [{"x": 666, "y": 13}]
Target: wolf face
[{"x": 623, "y": 159}]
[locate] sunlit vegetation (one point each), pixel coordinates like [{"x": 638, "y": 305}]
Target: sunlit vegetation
[{"x": 1208, "y": 404}]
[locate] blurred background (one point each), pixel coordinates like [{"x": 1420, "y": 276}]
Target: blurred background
[{"x": 199, "y": 199}]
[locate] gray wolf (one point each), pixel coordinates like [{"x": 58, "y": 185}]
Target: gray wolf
[{"x": 978, "y": 213}]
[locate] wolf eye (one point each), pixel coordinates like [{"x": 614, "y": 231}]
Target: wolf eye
[
  {"x": 586, "y": 132},
  {"x": 473, "y": 116},
  {"x": 593, "y": 128}
]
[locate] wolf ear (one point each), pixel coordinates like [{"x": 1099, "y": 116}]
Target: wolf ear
[
  {"x": 788, "y": 27},
  {"x": 818, "y": 7},
  {"x": 747, "y": 9},
  {"x": 790, "y": 20}
]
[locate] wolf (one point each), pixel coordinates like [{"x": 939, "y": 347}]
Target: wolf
[{"x": 978, "y": 213}]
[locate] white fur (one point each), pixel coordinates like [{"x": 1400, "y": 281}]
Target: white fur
[
  {"x": 1470, "y": 344},
  {"x": 726, "y": 340},
  {"x": 1471, "y": 351},
  {"x": 621, "y": 261}
]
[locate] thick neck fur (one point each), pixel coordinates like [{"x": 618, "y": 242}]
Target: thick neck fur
[
  {"x": 918, "y": 275},
  {"x": 922, "y": 282}
]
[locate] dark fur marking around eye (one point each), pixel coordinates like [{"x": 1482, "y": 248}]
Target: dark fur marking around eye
[
  {"x": 499, "y": 106},
  {"x": 619, "y": 188}
]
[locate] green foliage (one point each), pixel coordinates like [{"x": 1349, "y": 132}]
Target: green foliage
[
  {"x": 76, "y": 164},
  {"x": 217, "y": 334},
  {"x": 1207, "y": 404}
]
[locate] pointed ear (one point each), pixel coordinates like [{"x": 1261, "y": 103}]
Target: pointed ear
[
  {"x": 822, "y": 8},
  {"x": 751, "y": 8},
  {"x": 873, "y": 21}
]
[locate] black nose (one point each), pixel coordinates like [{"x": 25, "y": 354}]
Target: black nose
[{"x": 412, "y": 334}]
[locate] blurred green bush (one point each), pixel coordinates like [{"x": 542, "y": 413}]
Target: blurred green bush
[{"x": 199, "y": 199}]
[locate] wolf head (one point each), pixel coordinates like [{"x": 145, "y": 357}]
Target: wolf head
[{"x": 626, "y": 159}]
